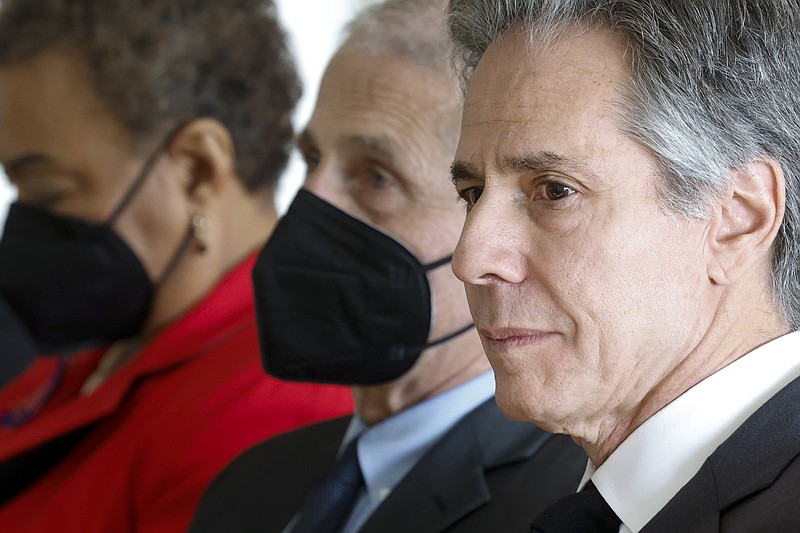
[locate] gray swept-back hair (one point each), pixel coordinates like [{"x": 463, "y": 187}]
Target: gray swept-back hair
[{"x": 714, "y": 85}]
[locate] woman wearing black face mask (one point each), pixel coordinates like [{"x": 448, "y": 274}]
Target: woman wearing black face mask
[{"x": 145, "y": 192}]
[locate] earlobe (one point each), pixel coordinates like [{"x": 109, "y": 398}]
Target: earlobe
[
  {"x": 205, "y": 148},
  {"x": 746, "y": 220}
]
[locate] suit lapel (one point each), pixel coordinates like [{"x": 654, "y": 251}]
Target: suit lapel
[
  {"x": 753, "y": 458},
  {"x": 748, "y": 462},
  {"x": 450, "y": 482},
  {"x": 696, "y": 504},
  {"x": 446, "y": 484}
]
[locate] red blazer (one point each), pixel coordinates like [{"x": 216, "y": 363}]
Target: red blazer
[{"x": 136, "y": 454}]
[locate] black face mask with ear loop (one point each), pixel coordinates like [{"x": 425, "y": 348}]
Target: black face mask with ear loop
[
  {"x": 75, "y": 283},
  {"x": 339, "y": 301}
]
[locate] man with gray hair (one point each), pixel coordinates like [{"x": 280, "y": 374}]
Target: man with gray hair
[
  {"x": 630, "y": 252},
  {"x": 355, "y": 287}
]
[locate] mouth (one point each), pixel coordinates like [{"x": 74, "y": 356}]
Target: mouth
[{"x": 507, "y": 339}]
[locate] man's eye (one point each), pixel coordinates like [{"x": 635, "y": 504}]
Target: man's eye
[
  {"x": 557, "y": 191},
  {"x": 379, "y": 180},
  {"x": 471, "y": 195}
]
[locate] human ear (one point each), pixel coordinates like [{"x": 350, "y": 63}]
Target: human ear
[
  {"x": 746, "y": 220},
  {"x": 204, "y": 147}
]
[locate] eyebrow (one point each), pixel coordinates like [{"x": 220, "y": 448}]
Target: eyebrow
[
  {"x": 539, "y": 161},
  {"x": 381, "y": 147},
  {"x": 462, "y": 171},
  {"x": 547, "y": 160},
  {"x": 21, "y": 163},
  {"x": 534, "y": 162}
]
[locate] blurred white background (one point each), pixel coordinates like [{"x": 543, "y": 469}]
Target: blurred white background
[{"x": 314, "y": 28}]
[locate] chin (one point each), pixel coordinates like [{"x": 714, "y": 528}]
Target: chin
[
  {"x": 518, "y": 402},
  {"x": 513, "y": 401}
]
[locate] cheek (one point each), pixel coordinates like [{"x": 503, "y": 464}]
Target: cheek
[
  {"x": 472, "y": 294},
  {"x": 154, "y": 224},
  {"x": 450, "y": 307},
  {"x": 635, "y": 299},
  {"x": 435, "y": 234}
]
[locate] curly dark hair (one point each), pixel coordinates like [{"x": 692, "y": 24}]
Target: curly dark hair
[{"x": 157, "y": 63}]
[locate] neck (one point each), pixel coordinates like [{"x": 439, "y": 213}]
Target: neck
[
  {"x": 439, "y": 369},
  {"x": 233, "y": 235},
  {"x": 724, "y": 342}
]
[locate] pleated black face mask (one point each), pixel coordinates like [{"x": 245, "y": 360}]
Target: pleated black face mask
[
  {"x": 339, "y": 301},
  {"x": 72, "y": 282}
]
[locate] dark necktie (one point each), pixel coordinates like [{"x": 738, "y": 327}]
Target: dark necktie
[
  {"x": 330, "y": 504},
  {"x": 584, "y": 511}
]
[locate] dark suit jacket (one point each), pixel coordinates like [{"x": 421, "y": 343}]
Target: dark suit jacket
[
  {"x": 751, "y": 483},
  {"x": 486, "y": 474}
]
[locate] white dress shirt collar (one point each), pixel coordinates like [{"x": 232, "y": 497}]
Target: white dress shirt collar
[{"x": 641, "y": 476}]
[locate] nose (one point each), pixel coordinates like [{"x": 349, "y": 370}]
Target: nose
[{"x": 492, "y": 243}]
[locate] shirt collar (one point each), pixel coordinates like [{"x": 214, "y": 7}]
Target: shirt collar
[
  {"x": 669, "y": 448},
  {"x": 390, "y": 449}
]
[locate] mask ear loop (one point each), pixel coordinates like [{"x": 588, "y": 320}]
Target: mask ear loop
[
  {"x": 177, "y": 255},
  {"x": 446, "y": 338},
  {"x": 436, "y": 264},
  {"x": 137, "y": 184},
  {"x": 406, "y": 351},
  {"x": 427, "y": 268}
]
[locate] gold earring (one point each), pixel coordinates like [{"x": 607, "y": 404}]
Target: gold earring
[{"x": 200, "y": 225}]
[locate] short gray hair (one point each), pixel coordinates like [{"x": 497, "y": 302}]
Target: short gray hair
[
  {"x": 714, "y": 85},
  {"x": 414, "y": 30}
]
